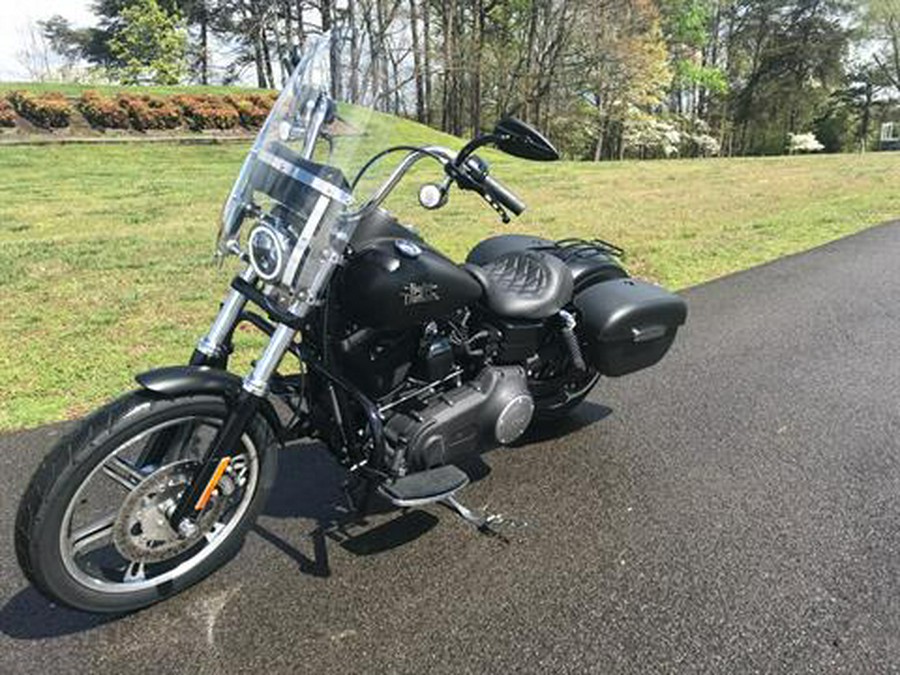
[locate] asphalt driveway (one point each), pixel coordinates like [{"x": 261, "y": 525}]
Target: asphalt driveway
[{"x": 735, "y": 509}]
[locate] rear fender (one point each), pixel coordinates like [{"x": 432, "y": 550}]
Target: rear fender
[{"x": 173, "y": 381}]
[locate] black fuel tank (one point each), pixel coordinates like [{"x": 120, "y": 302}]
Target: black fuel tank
[{"x": 395, "y": 283}]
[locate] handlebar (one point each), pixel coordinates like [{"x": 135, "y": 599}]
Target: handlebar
[
  {"x": 503, "y": 195},
  {"x": 442, "y": 155},
  {"x": 472, "y": 175}
]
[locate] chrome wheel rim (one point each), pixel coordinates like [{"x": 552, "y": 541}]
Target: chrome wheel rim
[{"x": 85, "y": 541}]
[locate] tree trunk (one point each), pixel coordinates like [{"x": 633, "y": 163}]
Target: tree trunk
[
  {"x": 204, "y": 44},
  {"x": 252, "y": 17},
  {"x": 426, "y": 43},
  {"x": 475, "y": 84},
  {"x": 288, "y": 17},
  {"x": 598, "y": 148},
  {"x": 334, "y": 48},
  {"x": 447, "y": 20},
  {"x": 267, "y": 57},
  {"x": 530, "y": 47},
  {"x": 417, "y": 61},
  {"x": 301, "y": 30},
  {"x": 354, "y": 52},
  {"x": 866, "y": 118}
]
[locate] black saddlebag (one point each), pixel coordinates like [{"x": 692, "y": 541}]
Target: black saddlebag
[{"x": 628, "y": 324}]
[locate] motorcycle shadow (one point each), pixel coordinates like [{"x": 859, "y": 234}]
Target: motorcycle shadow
[
  {"x": 310, "y": 485},
  {"x": 584, "y": 416},
  {"x": 28, "y": 615}
]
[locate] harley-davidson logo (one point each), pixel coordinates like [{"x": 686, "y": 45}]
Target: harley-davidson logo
[{"x": 416, "y": 294}]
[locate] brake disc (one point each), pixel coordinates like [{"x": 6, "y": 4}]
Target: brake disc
[{"x": 141, "y": 531}]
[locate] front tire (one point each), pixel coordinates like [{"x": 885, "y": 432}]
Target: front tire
[{"x": 77, "y": 537}]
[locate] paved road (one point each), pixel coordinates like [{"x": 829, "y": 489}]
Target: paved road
[{"x": 736, "y": 509}]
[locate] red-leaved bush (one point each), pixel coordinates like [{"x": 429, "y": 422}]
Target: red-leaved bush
[
  {"x": 51, "y": 110},
  {"x": 150, "y": 112},
  {"x": 252, "y": 109},
  {"x": 102, "y": 111},
  {"x": 7, "y": 114},
  {"x": 207, "y": 112}
]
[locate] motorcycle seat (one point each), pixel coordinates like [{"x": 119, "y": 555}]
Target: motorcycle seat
[{"x": 524, "y": 284}]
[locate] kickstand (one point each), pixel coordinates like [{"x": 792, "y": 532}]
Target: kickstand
[{"x": 484, "y": 523}]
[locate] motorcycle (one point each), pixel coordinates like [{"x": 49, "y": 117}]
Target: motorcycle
[{"x": 408, "y": 364}]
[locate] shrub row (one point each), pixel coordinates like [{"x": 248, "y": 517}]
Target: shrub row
[
  {"x": 51, "y": 110},
  {"x": 140, "y": 112}
]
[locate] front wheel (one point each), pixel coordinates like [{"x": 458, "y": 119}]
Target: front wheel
[{"x": 92, "y": 530}]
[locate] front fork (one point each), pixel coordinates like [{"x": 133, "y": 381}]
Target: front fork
[
  {"x": 214, "y": 347},
  {"x": 212, "y": 350}
]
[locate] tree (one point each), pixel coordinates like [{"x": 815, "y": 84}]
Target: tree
[
  {"x": 882, "y": 19},
  {"x": 690, "y": 28},
  {"x": 150, "y": 46},
  {"x": 625, "y": 68},
  {"x": 35, "y": 53},
  {"x": 786, "y": 59}
]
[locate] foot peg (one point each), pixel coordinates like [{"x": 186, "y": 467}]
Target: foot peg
[
  {"x": 425, "y": 487},
  {"x": 439, "y": 486}
]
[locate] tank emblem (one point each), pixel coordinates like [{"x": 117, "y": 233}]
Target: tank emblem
[
  {"x": 416, "y": 294},
  {"x": 408, "y": 248}
]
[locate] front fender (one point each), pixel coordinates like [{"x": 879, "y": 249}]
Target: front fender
[{"x": 173, "y": 381}]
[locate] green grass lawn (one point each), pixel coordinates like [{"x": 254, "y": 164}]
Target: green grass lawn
[{"x": 105, "y": 252}]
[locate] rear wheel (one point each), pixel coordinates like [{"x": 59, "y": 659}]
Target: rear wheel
[
  {"x": 92, "y": 530},
  {"x": 557, "y": 398}
]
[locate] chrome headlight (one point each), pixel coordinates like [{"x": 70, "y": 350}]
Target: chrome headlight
[{"x": 269, "y": 249}]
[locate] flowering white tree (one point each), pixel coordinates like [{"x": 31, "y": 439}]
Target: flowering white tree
[
  {"x": 646, "y": 136},
  {"x": 804, "y": 143}
]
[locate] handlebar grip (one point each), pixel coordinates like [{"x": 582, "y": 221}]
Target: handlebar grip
[{"x": 503, "y": 195}]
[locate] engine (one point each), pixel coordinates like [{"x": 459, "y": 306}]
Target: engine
[
  {"x": 495, "y": 407},
  {"x": 444, "y": 391}
]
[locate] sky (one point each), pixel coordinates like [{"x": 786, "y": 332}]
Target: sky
[{"x": 16, "y": 15}]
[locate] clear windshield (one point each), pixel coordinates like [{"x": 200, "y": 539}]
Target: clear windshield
[
  {"x": 288, "y": 209},
  {"x": 306, "y": 149}
]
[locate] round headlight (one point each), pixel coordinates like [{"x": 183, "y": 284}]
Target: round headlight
[{"x": 266, "y": 252}]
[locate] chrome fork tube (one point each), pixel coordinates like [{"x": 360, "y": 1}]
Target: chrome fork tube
[
  {"x": 257, "y": 382},
  {"x": 213, "y": 342}
]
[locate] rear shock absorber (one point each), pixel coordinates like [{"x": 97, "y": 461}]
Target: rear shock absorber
[{"x": 571, "y": 340}]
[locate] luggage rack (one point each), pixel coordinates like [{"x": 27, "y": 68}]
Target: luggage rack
[{"x": 574, "y": 247}]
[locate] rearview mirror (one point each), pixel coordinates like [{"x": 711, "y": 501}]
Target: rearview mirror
[{"x": 516, "y": 138}]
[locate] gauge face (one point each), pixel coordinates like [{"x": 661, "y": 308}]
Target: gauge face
[{"x": 266, "y": 253}]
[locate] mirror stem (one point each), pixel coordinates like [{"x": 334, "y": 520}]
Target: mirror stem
[{"x": 473, "y": 145}]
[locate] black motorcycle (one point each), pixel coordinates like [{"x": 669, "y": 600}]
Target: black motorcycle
[{"x": 408, "y": 363}]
